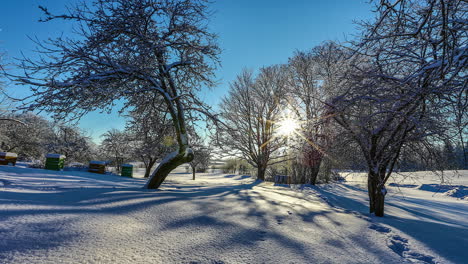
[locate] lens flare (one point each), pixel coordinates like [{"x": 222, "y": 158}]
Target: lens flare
[{"x": 287, "y": 127}]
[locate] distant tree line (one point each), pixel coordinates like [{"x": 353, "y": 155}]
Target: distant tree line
[{"x": 34, "y": 137}]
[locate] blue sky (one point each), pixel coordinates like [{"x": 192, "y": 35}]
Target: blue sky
[{"x": 252, "y": 34}]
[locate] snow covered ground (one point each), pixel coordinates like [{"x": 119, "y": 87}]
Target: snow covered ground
[
  {"x": 79, "y": 217},
  {"x": 424, "y": 221}
]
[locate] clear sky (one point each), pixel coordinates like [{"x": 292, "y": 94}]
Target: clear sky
[{"x": 252, "y": 34}]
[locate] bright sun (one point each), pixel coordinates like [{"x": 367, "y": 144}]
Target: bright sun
[{"x": 287, "y": 126}]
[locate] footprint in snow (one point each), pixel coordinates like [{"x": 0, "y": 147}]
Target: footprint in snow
[
  {"x": 211, "y": 262},
  {"x": 279, "y": 220},
  {"x": 413, "y": 257},
  {"x": 400, "y": 246},
  {"x": 379, "y": 228}
]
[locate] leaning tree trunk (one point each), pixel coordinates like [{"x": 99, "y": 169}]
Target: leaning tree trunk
[
  {"x": 170, "y": 162},
  {"x": 377, "y": 194},
  {"x": 185, "y": 153},
  {"x": 176, "y": 111}
]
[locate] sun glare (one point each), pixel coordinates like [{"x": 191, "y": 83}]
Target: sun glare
[{"x": 287, "y": 127}]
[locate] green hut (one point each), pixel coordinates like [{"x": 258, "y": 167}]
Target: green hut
[
  {"x": 127, "y": 170},
  {"x": 55, "y": 162}
]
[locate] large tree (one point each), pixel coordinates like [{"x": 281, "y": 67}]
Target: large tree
[
  {"x": 395, "y": 88},
  {"x": 311, "y": 83},
  {"x": 125, "y": 48},
  {"x": 250, "y": 112}
]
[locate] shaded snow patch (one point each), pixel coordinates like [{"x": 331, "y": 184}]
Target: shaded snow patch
[
  {"x": 455, "y": 191},
  {"x": 380, "y": 228},
  {"x": 403, "y": 185}
]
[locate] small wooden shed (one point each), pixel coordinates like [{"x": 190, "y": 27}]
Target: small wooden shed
[
  {"x": 54, "y": 161},
  {"x": 7, "y": 158},
  {"x": 97, "y": 166}
]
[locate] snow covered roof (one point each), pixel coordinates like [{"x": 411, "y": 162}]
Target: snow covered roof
[
  {"x": 97, "y": 162},
  {"x": 56, "y": 156},
  {"x": 8, "y": 154}
]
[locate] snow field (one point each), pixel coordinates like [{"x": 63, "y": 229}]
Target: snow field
[{"x": 80, "y": 217}]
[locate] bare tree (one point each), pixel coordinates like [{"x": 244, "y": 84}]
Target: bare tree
[
  {"x": 202, "y": 158},
  {"x": 71, "y": 142},
  {"x": 28, "y": 137},
  {"x": 311, "y": 83},
  {"x": 125, "y": 48},
  {"x": 151, "y": 133},
  {"x": 411, "y": 59},
  {"x": 117, "y": 146},
  {"x": 6, "y": 105},
  {"x": 249, "y": 112}
]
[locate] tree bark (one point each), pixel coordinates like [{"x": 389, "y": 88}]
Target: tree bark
[
  {"x": 376, "y": 195},
  {"x": 193, "y": 173},
  {"x": 148, "y": 167},
  {"x": 314, "y": 174},
  {"x": 167, "y": 165},
  {"x": 303, "y": 178},
  {"x": 370, "y": 191},
  {"x": 261, "y": 173},
  {"x": 379, "y": 203}
]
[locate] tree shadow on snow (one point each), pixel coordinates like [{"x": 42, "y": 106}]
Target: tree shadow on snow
[
  {"x": 37, "y": 208},
  {"x": 421, "y": 219},
  {"x": 239, "y": 215}
]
